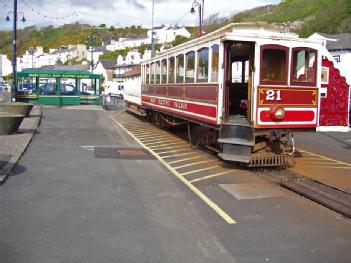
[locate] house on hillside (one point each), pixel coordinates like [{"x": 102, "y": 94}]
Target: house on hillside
[
  {"x": 106, "y": 69},
  {"x": 95, "y": 53},
  {"x": 5, "y": 66},
  {"x": 166, "y": 34},
  {"x": 339, "y": 47}
]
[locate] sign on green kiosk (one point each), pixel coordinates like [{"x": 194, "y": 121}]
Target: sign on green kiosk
[{"x": 58, "y": 87}]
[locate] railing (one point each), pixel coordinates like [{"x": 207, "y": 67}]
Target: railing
[{"x": 112, "y": 102}]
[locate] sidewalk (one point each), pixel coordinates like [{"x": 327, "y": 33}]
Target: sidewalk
[{"x": 13, "y": 146}]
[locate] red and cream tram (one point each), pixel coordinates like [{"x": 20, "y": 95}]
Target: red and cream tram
[{"x": 248, "y": 86}]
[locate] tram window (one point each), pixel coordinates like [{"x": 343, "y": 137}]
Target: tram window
[
  {"x": 190, "y": 67},
  {"x": 202, "y": 70},
  {"x": 48, "y": 86},
  {"x": 274, "y": 66},
  {"x": 158, "y": 72},
  {"x": 171, "y": 70},
  {"x": 164, "y": 71},
  {"x": 152, "y": 73},
  {"x": 240, "y": 71},
  {"x": 147, "y": 75},
  {"x": 304, "y": 66},
  {"x": 215, "y": 63},
  {"x": 180, "y": 69}
]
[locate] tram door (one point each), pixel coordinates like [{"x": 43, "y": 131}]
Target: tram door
[{"x": 238, "y": 64}]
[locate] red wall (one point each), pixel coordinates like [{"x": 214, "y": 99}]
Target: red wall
[{"x": 334, "y": 108}]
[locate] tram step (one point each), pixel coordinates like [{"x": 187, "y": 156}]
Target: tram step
[
  {"x": 237, "y": 131},
  {"x": 236, "y": 141},
  {"x": 234, "y": 158},
  {"x": 236, "y": 149}
]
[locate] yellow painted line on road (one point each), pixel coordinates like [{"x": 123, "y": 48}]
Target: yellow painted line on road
[
  {"x": 330, "y": 167},
  {"x": 176, "y": 155},
  {"x": 200, "y": 170},
  {"x": 322, "y": 162},
  {"x": 147, "y": 136},
  {"x": 152, "y": 141},
  {"x": 209, "y": 176},
  {"x": 192, "y": 164},
  {"x": 168, "y": 142},
  {"x": 325, "y": 158},
  {"x": 194, "y": 189},
  {"x": 170, "y": 147},
  {"x": 155, "y": 138},
  {"x": 174, "y": 151},
  {"x": 186, "y": 159}
]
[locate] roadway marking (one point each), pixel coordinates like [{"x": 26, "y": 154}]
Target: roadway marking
[
  {"x": 200, "y": 170},
  {"x": 146, "y": 137},
  {"x": 176, "y": 155},
  {"x": 330, "y": 167},
  {"x": 174, "y": 145},
  {"x": 174, "y": 151},
  {"x": 192, "y": 164},
  {"x": 226, "y": 217},
  {"x": 161, "y": 142},
  {"x": 325, "y": 158},
  {"x": 156, "y": 139},
  {"x": 186, "y": 159},
  {"x": 209, "y": 176}
]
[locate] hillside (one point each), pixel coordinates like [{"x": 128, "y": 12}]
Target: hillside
[
  {"x": 304, "y": 17},
  {"x": 50, "y": 37}
]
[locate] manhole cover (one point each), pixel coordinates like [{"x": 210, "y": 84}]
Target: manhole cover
[{"x": 122, "y": 153}]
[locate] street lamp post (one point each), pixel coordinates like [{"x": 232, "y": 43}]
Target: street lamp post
[
  {"x": 200, "y": 6},
  {"x": 152, "y": 30},
  {"x": 14, "y": 44}
]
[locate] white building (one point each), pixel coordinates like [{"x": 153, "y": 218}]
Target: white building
[
  {"x": 37, "y": 58},
  {"x": 5, "y": 66},
  {"x": 96, "y": 52},
  {"x": 106, "y": 69},
  {"x": 166, "y": 34},
  {"x": 340, "y": 48}
]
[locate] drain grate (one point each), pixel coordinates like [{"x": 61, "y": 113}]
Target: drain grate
[{"x": 122, "y": 153}]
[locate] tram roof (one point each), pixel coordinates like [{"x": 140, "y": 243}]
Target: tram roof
[
  {"x": 50, "y": 73},
  {"x": 249, "y": 30}
]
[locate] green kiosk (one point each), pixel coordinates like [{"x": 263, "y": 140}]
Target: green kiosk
[{"x": 58, "y": 87}]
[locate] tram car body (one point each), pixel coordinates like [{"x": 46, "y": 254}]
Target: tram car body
[{"x": 249, "y": 86}]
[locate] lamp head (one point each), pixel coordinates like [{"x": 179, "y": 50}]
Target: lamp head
[
  {"x": 8, "y": 19},
  {"x": 23, "y": 19},
  {"x": 192, "y": 10}
]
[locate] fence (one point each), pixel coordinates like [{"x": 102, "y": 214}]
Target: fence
[{"x": 110, "y": 102}]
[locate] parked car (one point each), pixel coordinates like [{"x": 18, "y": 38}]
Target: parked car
[
  {"x": 27, "y": 88},
  {"x": 68, "y": 90},
  {"x": 48, "y": 89}
]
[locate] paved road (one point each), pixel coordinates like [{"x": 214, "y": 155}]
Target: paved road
[{"x": 65, "y": 205}]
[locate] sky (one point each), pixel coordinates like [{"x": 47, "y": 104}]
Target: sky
[{"x": 119, "y": 13}]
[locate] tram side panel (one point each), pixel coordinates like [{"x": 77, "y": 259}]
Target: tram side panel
[{"x": 192, "y": 101}]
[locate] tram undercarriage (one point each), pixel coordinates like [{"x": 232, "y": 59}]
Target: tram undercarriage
[{"x": 234, "y": 142}]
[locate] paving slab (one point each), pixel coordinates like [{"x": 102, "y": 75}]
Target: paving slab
[{"x": 13, "y": 146}]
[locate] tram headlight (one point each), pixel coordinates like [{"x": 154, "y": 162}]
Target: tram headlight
[{"x": 277, "y": 113}]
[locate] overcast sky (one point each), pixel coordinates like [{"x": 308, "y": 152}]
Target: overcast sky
[{"x": 119, "y": 12}]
